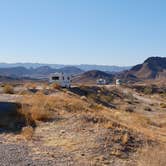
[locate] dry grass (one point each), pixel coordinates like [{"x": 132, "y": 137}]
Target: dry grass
[
  {"x": 152, "y": 156},
  {"x": 163, "y": 105},
  {"x": 125, "y": 138},
  {"x": 30, "y": 85},
  {"x": 27, "y": 132},
  {"x": 120, "y": 133},
  {"x": 64, "y": 101},
  {"x": 35, "y": 107},
  {"x": 40, "y": 113},
  {"x": 55, "y": 86},
  {"x": 42, "y": 107},
  {"x": 8, "y": 89}
]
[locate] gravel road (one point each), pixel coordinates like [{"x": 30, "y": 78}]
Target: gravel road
[{"x": 19, "y": 155}]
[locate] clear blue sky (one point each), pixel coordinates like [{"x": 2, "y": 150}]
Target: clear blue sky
[{"x": 112, "y": 32}]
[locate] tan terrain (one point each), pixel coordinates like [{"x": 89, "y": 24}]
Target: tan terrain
[{"x": 91, "y": 125}]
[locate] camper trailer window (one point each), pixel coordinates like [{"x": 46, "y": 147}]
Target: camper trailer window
[{"x": 55, "y": 78}]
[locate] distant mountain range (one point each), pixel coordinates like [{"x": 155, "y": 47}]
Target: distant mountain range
[
  {"x": 151, "y": 68},
  {"x": 84, "y": 67},
  {"x": 39, "y": 73}
]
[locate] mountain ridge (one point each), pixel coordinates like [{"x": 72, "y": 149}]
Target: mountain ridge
[
  {"x": 85, "y": 67},
  {"x": 151, "y": 68},
  {"x": 40, "y": 72}
]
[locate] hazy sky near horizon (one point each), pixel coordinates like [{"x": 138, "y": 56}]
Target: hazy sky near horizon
[{"x": 111, "y": 32}]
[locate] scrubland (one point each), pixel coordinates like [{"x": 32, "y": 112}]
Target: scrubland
[{"x": 93, "y": 125}]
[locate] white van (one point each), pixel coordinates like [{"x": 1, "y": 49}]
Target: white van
[{"x": 61, "y": 79}]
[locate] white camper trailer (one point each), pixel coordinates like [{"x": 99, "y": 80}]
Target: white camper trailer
[
  {"x": 118, "y": 82},
  {"x": 101, "y": 81},
  {"x": 61, "y": 79}
]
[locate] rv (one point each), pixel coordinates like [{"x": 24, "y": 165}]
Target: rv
[
  {"x": 61, "y": 79},
  {"x": 118, "y": 82},
  {"x": 101, "y": 81}
]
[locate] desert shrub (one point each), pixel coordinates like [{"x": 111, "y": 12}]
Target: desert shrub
[
  {"x": 27, "y": 132},
  {"x": 163, "y": 105},
  {"x": 39, "y": 109},
  {"x": 106, "y": 98},
  {"x": 94, "y": 118},
  {"x": 92, "y": 96},
  {"x": 96, "y": 107},
  {"x": 42, "y": 107},
  {"x": 148, "y": 109},
  {"x": 55, "y": 86},
  {"x": 163, "y": 94},
  {"x": 129, "y": 109},
  {"x": 40, "y": 113},
  {"x": 130, "y": 97},
  {"x": 148, "y": 90},
  {"x": 8, "y": 89},
  {"x": 125, "y": 138},
  {"x": 35, "y": 108},
  {"x": 31, "y": 86}
]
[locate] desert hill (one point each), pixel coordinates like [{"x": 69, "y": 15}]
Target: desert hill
[
  {"x": 151, "y": 68},
  {"x": 92, "y": 76}
]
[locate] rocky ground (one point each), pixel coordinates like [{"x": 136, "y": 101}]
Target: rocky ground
[
  {"x": 101, "y": 137},
  {"x": 67, "y": 142}
]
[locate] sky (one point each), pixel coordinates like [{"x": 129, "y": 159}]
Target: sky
[{"x": 105, "y": 32}]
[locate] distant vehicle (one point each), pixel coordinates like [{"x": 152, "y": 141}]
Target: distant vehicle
[
  {"x": 101, "y": 81},
  {"x": 118, "y": 82},
  {"x": 61, "y": 79}
]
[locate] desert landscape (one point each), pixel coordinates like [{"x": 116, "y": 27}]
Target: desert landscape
[
  {"x": 86, "y": 124},
  {"x": 82, "y": 83}
]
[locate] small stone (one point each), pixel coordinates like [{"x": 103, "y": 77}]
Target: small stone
[{"x": 62, "y": 131}]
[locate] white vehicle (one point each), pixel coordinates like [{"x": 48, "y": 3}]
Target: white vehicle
[
  {"x": 61, "y": 79},
  {"x": 101, "y": 81},
  {"x": 118, "y": 82}
]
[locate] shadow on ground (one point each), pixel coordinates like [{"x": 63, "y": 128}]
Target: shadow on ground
[{"x": 11, "y": 120}]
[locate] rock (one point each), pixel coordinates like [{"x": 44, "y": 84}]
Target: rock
[{"x": 83, "y": 98}]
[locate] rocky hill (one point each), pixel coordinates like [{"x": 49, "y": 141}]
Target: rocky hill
[
  {"x": 151, "y": 68},
  {"x": 92, "y": 76}
]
